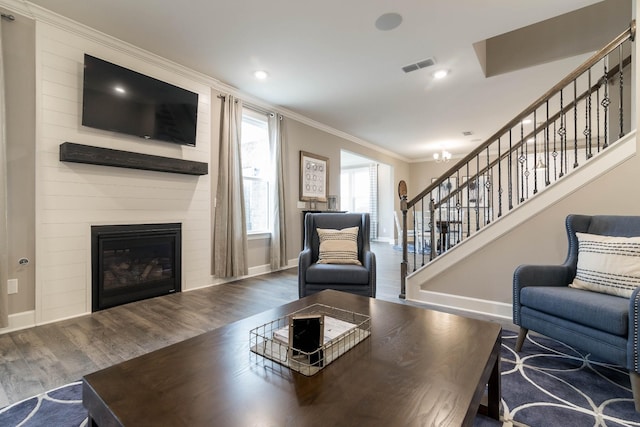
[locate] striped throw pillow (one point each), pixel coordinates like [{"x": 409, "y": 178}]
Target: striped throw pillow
[
  {"x": 608, "y": 264},
  {"x": 338, "y": 246}
]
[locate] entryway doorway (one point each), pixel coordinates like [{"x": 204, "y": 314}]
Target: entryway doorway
[{"x": 366, "y": 185}]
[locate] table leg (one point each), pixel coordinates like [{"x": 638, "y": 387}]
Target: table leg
[{"x": 493, "y": 389}]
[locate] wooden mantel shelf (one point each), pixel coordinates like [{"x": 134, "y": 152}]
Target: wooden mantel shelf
[{"x": 79, "y": 153}]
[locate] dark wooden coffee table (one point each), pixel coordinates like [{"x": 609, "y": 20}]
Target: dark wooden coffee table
[{"x": 418, "y": 367}]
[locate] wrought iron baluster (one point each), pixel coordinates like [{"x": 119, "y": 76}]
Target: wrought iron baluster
[
  {"x": 575, "y": 123},
  {"x": 418, "y": 231},
  {"x": 555, "y": 153},
  {"x": 546, "y": 148},
  {"x": 562, "y": 132},
  {"x": 499, "y": 180},
  {"x": 522, "y": 159},
  {"x": 510, "y": 171},
  {"x": 535, "y": 154},
  {"x": 587, "y": 113},
  {"x": 489, "y": 193},
  {"x": 477, "y": 180},
  {"x": 598, "y": 118},
  {"x": 621, "y": 85},
  {"x": 468, "y": 204},
  {"x": 606, "y": 101}
]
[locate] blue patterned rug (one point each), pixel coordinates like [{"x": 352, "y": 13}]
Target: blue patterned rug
[
  {"x": 60, "y": 407},
  {"x": 551, "y": 384},
  {"x": 546, "y": 384},
  {"x": 411, "y": 248}
]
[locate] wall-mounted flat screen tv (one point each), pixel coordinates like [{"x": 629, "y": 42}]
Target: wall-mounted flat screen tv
[{"x": 117, "y": 99}]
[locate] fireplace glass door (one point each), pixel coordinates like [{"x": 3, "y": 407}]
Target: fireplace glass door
[{"x": 133, "y": 262}]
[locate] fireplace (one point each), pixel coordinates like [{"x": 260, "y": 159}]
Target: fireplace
[{"x": 134, "y": 262}]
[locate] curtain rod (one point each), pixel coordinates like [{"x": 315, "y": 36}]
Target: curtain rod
[
  {"x": 8, "y": 17},
  {"x": 253, "y": 107}
]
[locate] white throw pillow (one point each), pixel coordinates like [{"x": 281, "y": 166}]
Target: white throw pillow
[
  {"x": 338, "y": 246},
  {"x": 608, "y": 264}
]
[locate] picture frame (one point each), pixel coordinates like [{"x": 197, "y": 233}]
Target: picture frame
[
  {"x": 306, "y": 338},
  {"x": 314, "y": 177}
]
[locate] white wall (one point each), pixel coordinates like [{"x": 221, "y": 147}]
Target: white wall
[{"x": 70, "y": 197}]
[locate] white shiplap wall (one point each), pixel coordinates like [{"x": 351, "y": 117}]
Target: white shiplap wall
[{"x": 70, "y": 198}]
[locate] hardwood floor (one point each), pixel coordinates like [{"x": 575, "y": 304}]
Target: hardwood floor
[{"x": 44, "y": 357}]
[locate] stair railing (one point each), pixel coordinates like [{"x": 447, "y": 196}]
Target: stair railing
[{"x": 583, "y": 114}]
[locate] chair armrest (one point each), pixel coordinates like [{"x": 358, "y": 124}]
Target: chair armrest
[
  {"x": 304, "y": 262},
  {"x": 369, "y": 263},
  {"x": 538, "y": 275},
  {"x": 542, "y": 275},
  {"x": 633, "y": 342}
]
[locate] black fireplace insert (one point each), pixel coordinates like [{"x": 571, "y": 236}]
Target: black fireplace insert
[{"x": 134, "y": 262}]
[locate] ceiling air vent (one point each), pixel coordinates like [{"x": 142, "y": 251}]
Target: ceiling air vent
[{"x": 418, "y": 65}]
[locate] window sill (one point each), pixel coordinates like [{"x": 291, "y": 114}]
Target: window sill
[{"x": 259, "y": 236}]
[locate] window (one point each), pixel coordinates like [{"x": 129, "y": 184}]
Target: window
[
  {"x": 355, "y": 190},
  {"x": 256, "y": 165}
]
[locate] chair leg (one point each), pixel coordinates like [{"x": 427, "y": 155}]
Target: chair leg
[
  {"x": 635, "y": 388},
  {"x": 522, "y": 334}
]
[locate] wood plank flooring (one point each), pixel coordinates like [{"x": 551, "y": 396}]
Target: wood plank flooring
[{"x": 44, "y": 357}]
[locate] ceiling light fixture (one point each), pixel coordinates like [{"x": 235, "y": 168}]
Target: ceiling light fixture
[
  {"x": 119, "y": 89},
  {"x": 441, "y": 74},
  {"x": 261, "y": 74},
  {"x": 442, "y": 157}
]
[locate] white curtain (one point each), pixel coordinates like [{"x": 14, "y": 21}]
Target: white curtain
[
  {"x": 278, "y": 223},
  {"x": 4, "y": 246},
  {"x": 229, "y": 231}
]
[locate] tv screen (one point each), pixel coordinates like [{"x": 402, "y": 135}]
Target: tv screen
[{"x": 121, "y": 100}]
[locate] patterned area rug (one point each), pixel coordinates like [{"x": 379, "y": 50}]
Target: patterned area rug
[
  {"x": 411, "y": 248},
  {"x": 551, "y": 384},
  {"x": 546, "y": 384},
  {"x": 60, "y": 407}
]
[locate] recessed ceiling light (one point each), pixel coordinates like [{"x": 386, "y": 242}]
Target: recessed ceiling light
[
  {"x": 119, "y": 89},
  {"x": 388, "y": 21},
  {"x": 261, "y": 74},
  {"x": 440, "y": 74}
]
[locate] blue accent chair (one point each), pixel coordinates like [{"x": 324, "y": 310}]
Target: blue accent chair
[
  {"x": 602, "y": 324},
  {"x": 356, "y": 279}
]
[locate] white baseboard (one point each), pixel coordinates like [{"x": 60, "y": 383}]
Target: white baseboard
[
  {"x": 27, "y": 319},
  {"x": 253, "y": 271},
  {"x": 18, "y": 321},
  {"x": 389, "y": 240},
  {"x": 491, "y": 309}
]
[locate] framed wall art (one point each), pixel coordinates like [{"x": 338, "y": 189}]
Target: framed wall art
[{"x": 314, "y": 177}]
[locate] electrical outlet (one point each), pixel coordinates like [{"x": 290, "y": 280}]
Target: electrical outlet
[{"x": 12, "y": 286}]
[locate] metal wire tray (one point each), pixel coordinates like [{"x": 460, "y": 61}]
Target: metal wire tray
[{"x": 271, "y": 339}]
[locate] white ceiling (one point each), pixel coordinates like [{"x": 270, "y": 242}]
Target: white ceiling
[{"x": 328, "y": 62}]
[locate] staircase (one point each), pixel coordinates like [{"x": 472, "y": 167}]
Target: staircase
[{"x": 481, "y": 208}]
